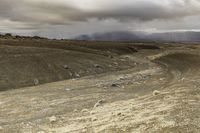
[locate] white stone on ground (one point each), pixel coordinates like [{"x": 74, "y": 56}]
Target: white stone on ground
[
  {"x": 52, "y": 119},
  {"x": 156, "y": 92}
]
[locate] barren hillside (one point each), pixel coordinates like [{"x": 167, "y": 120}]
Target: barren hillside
[{"x": 103, "y": 87}]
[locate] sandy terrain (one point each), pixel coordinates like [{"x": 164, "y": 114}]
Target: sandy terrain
[{"x": 147, "y": 89}]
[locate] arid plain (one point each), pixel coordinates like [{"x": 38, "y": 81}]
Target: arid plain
[{"x": 60, "y": 86}]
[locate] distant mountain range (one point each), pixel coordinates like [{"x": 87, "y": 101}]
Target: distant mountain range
[{"x": 141, "y": 36}]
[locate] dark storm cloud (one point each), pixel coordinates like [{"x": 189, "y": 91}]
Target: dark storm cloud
[
  {"x": 34, "y": 14},
  {"x": 35, "y": 11},
  {"x": 64, "y": 11},
  {"x": 146, "y": 10}
]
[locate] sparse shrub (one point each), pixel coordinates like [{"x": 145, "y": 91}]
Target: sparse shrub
[
  {"x": 8, "y": 35},
  {"x": 36, "y": 37},
  {"x": 17, "y": 36}
]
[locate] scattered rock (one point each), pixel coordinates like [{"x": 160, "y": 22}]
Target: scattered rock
[
  {"x": 99, "y": 85},
  {"x": 40, "y": 132},
  {"x": 85, "y": 111},
  {"x": 183, "y": 79},
  {"x": 92, "y": 112},
  {"x": 156, "y": 92},
  {"x": 110, "y": 56},
  {"x": 67, "y": 89},
  {"x": 94, "y": 119},
  {"x": 115, "y": 63},
  {"x": 75, "y": 111},
  {"x": 97, "y": 66},
  {"x": 105, "y": 87},
  {"x": 122, "y": 78},
  {"x": 77, "y": 75},
  {"x": 52, "y": 119},
  {"x": 84, "y": 131},
  {"x": 99, "y": 103},
  {"x": 36, "y": 82},
  {"x": 122, "y": 60},
  {"x": 114, "y": 85},
  {"x": 119, "y": 113},
  {"x": 70, "y": 74},
  {"x": 66, "y": 67},
  {"x": 109, "y": 65},
  {"x": 161, "y": 79}
]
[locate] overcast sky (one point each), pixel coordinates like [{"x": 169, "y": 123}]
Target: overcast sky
[{"x": 68, "y": 18}]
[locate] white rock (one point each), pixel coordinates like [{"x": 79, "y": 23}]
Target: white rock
[
  {"x": 161, "y": 79},
  {"x": 84, "y": 131},
  {"x": 156, "y": 92},
  {"x": 94, "y": 119},
  {"x": 36, "y": 82},
  {"x": 84, "y": 111},
  {"x": 97, "y": 65},
  {"x": 92, "y": 112},
  {"x": 70, "y": 74},
  {"x": 77, "y": 75},
  {"x": 52, "y": 119},
  {"x": 122, "y": 78},
  {"x": 66, "y": 67},
  {"x": 75, "y": 111},
  {"x": 99, "y": 103},
  {"x": 67, "y": 89},
  {"x": 40, "y": 132}
]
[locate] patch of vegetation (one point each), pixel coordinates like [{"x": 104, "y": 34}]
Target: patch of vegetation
[{"x": 10, "y": 36}]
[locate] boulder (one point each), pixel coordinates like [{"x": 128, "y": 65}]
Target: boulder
[
  {"x": 36, "y": 82},
  {"x": 156, "y": 92},
  {"x": 97, "y": 66},
  {"x": 65, "y": 66},
  {"x": 52, "y": 119}
]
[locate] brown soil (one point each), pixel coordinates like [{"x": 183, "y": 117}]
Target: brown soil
[{"x": 123, "y": 87}]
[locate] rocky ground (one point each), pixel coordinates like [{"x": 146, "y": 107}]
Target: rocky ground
[{"x": 157, "y": 91}]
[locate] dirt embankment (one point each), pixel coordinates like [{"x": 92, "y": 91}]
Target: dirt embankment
[{"x": 32, "y": 62}]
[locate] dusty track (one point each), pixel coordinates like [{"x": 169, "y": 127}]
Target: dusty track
[{"x": 128, "y": 104}]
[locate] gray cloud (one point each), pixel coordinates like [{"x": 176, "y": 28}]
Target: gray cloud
[
  {"x": 37, "y": 14},
  {"x": 149, "y": 10}
]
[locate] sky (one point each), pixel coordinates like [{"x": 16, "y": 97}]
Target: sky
[{"x": 70, "y": 18}]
